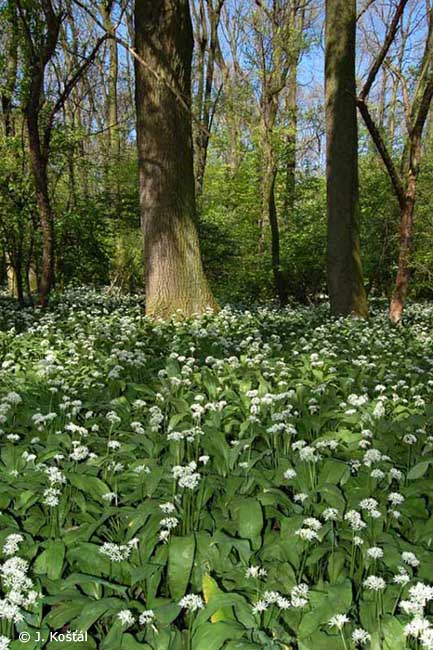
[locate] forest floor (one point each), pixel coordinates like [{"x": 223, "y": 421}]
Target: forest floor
[{"x": 256, "y": 479}]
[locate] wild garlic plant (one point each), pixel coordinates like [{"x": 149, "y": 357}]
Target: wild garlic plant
[{"x": 255, "y": 477}]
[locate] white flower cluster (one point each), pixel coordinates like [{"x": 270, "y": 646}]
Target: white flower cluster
[
  {"x": 186, "y": 475},
  {"x": 18, "y": 587},
  {"x": 309, "y": 530},
  {"x": 191, "y": 602},
  {"x": 118, "y": 552},
  {"x": 52, "y": 494},
  {"x": 298, "y": 599},
  {"x": 420, "y": 627}
]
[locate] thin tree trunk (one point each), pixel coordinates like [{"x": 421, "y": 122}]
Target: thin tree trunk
[
  {"x": 175, "y": 280},
  {"x": 11, "y": 70},
  {"x": 399, "y": 295},
  {"x": 291, "y": 138},
  {"x": 270, "y": 206},
  {"x": 345, "y": 283}
]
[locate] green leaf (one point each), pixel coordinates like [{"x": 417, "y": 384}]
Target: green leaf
[
  {"x": 250, "y": 519},
  {"x": 213, "y": 636},
  {"x": 50, "y": 561},
  {"x": 129, "y": 643},
  {"x": 89, "y": 484},
  {"x": 210, "y": 591},
  {"x": 180, "y": 560},
  {"x": 419, "y": 470},
  {"x": 95, "y": 610},
  {"x": 65, "y": 613}
]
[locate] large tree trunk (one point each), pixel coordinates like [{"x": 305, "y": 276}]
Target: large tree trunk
[
  {"x": 345, "y": 284},
  {"x": 175, "y": 280},
  {"x": 39, "y": 165}
]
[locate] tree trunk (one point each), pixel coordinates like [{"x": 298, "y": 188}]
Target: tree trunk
[
  {"x": 39, "y": 166},
  {"x": 11, "y": 69},
  {"x": 345, "y": 283},
  {"x": 175, "y": 280},
  {"x": 271, "y": 209},
  {"x": 398, "y": 299},
  {"x": 290, "y": 144}
]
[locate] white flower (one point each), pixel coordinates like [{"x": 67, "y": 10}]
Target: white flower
[
  {"x": 306, "y": 534},
  {"x": 260, "y": 606},
  {"x": 374, "y": 583},
  {"x": 355, "y": 520},
  {"x": 255, "y": 572},
  {"x": 13, "y": 398},
  {"x": 51, "y": 497},
  {"x": 167, "y": 507},
  {"x": 338, "y": 621},
  {"x": 396, "y": 498},
  {"x": 109, "y": 496},
  {"x": 271, "y": 596},
  {"x": 186, "y": 475},
  {"x": 375, "y": 552},
  {"x": 313, "y": 523},
  {"x": 410, "y": 559},
  {"x": 416, "y": 627},
  {"x": 308, "y": 454},
  {"x": 12, "y": 543},
  {"x": 290, "y": 474},
  {"x": 55, "y": 476},
  {"x": 330, "y": 514},
  {"x": 169, "y": 522},
  {"x": 300, "y": 497},
  {"x": 283, "y": 603},
  {"x": 401, "y": 578},
  {"x": 4, "y": 643},
  {"x": 377, "y": 474},
  {"x": 427, "y": 639},
  {"x": 299, "y": 596},
  {"x": 360, "y": 636},
  {"x": 116, "y": 553},
  {"x": 126, "y": 618},
  {"x": 146, "y": 617},
  {"x": 411, "y": 608},
  {"x": 368, "y": 504},
  {"x": 192, "y": 602},
  {"x": 80, "y": 452},
  {"x": 421, "y": 593}
]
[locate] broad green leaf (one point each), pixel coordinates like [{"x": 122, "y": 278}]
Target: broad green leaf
[
  {"x": 50, "y": 561},
  {"x": 250, "y": 519},
  {"x": 180, "y": 560},
  {"x": 213, "y": 636}
]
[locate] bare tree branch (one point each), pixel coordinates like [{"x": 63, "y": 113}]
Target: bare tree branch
[
  {"x": 383, "y": 151},
  {"x": 390, "y": 36}
]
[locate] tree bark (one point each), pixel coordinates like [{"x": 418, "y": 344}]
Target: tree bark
[
  {"x": 399, "y": 295},
  {"x": 291, "y": 138},
  {"x": 345, "y": 282},
  {"x": 175, "y": 279},
  {"x": 9, "y": 85},
  {"x": 39, "y": 165},
  {"x": 207, "y": 19},
  {"x": 269, "y": 179}
]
